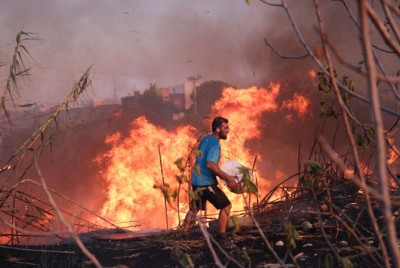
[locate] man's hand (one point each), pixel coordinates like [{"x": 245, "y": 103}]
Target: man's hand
[{"x": 230, "y": 181}]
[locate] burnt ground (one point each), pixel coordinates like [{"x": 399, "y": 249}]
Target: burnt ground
[{"x": 302, "y": 232}]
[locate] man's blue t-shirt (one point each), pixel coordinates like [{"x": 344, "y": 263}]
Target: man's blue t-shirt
[{"x": 211, "y": 151}]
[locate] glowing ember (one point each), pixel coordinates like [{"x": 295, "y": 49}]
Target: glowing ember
[
  {"x": 312, "y": 73},
  {"x": 313, "y": 76}
]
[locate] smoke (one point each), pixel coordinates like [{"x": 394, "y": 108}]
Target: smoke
[{"x": 130, "y": 44}]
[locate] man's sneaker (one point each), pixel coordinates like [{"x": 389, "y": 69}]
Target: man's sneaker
[{"x": 225, "y": 242}]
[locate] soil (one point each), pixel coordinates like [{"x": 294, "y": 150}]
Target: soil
[{"x": 312, "y": 244}]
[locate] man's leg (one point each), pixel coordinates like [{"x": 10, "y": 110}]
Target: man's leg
[
  {"x": 224, "y": 218},
  {"x": 220, "y": 201},
  {"x": 224, "y": 240}
]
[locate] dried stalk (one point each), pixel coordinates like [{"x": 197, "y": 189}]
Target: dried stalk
[
  {"x": 71, "y": 201},
  {"x": 348, "y": 228},
  {"x": 39, "y": 250},
  {"x": 183, "y": 169},
  {"x": 208, "y": 239},
  {"x": 29, "y": 145},
  {"x": 322, "y": 227},
  {"x": 163, "y": 185},
  {"x": 61, "y": 217},
  {"x": 269, "y": 246}
]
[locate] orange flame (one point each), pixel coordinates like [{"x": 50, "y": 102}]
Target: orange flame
[
  {"x": 299, "y": 104},
  {"x": 133, "y": 164},
  {"x": 393, "y": 159},
  {"x": 134, "y": 168},
  {"x": 393, "y": 154},
  {"x": 243, "y": 108}
]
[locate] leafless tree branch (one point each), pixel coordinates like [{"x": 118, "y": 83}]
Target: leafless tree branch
[
  {"x": 283, "y": 56},
  {"x": 379, "y": 134},
  {"x": 381, "y": 28},
  {"x": 321, "y": 66}
]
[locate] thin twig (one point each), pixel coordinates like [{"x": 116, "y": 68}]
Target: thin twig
[
  {"x": 163, "y": 186},
  {"x": 381, "y": 28},
  {"x": 284, "y": 56},
  {"x": 61, "y": 217}
]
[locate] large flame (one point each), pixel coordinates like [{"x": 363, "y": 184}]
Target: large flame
[
  {"x": 243, "y": 108},
  {"x": 133, "y": 162},
  {"x": 134, "y": 168}
]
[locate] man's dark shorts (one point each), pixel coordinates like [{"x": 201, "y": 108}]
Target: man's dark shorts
[{"x": 211, "y": 193}]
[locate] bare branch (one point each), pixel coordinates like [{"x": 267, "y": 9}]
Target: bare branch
[
  {"x": 392, "y": 23},
  {"x": 73, "y": 202},
  {"x": 379, "y": 132},
  {"x": 271, "y": 4},
  {"x": 381, "y": 28},
  {"x": 321, "y": 66},
  {"x": 351, "y": 139},
  {"x": 283, "y": 56},
  {"x": 393, "y": 79},
  {"x": 391, "y": 85},
  {"x": 61, "y": 217}
]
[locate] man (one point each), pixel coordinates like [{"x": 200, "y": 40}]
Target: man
[{"x": 204, "y": 177}]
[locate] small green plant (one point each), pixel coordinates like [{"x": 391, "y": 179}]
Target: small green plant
[
  {"x": 248, "y": 185},
  {"x": 243, "y": 257},
  {"x": 181, "y": 257},
  {"x": 346, "y": 262},
  {"x": 328, "y": 261},
  {"x": 364, "y": 135},
  {"x": 236, "y": 225},
  {"x": 312, "y": 175},
  {"x": 327, "y": 110},
  {"x": 291, "y": 234}
]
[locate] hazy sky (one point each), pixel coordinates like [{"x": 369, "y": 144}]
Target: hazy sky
[{"x": 132, "y": 43}]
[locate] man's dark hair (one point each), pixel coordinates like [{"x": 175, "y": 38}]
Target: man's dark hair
[{"x": 217, "y": 122}]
